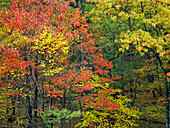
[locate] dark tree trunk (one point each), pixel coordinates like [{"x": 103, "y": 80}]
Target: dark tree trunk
[
  {"x": 28, "y": 97},
  {"x": 167, "y": 95},
  {"x": 167, "y": 88},
  {"x": 12, "y": 115},
  {"x": 13, "y": 104},
  {"x": 63, "y": 106},
  {"x": 52, "y": 115},
  {"x": 160, "y": 89},
  {"x": 36, "y": 91},
  {"x": 134, "y": 97},
  {"x": 153, "y": 92},
  {"x": 35, "y": 103},
  {"x": 131, "y": 92},
  {"x": 29, "y": 112}
]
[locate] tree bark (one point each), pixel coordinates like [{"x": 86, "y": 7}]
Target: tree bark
[
  {"x": 36, "y": 91},
  {"x": 167, "y": 88}
]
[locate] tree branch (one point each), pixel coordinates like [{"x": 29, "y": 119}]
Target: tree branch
[{"x": 115, "y": 56}]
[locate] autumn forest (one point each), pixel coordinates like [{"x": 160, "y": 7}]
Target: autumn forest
[{"x": 84, "y": 63}]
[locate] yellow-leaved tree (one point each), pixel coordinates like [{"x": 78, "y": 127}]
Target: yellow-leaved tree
[{"x": 135, "y": 25}]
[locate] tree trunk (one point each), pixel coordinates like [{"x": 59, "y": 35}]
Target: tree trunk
[
  {"x": 131, "y": 92},
  {"x": 63, "y": 106},
  {"x": 160, "y": 89},
  {"x": 52, "y": 115},
  {"x": 28, "y": 97},
  {"x": 13, "y": 105},
  {"x": 35, "y": 103},
  {"x": 153, "y": 92},
  {"x": 29, "y": 112},
  {"x": 134, "y": 97},
  {"x": 167, "y": 88},
  {"x": 36, "y": 91},
  {"x": 167, "y": 95}
]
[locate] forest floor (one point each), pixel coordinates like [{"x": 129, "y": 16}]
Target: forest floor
[{"x": 152, "y": 116}]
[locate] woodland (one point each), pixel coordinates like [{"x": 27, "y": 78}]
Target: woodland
[{"x": 84, "y": 63}]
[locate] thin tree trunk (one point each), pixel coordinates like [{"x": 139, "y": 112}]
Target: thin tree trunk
[
  {"x": 77, "y": 67},
  {"x": 134, "y": 97},
  {"x": 123, "y": 89},
  {"x": 83, "y": 6},
  {"x": 29, "y": 112},
  {"x": 63, "y": 106},
  {"x": 13, "y": 105},
  {"x": 36, "y": 91},
  {"x": 52, "y": 115},
  {"x": 131, "y": 92},
  {"x": 160, "y": 89},
  {"x": 42, "y": 95},
  {"x": 78, "y": 3},
  {"x": 153, "y": 92},
  {"x": 35, "y": 103},
  {"x": 167, "y": 95},
  {"x": 28, "y": 97}
]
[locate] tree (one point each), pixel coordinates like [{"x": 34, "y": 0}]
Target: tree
[
  {"x": 41, "y": 32},
  {"x": 39, "y": 40},
  {"x": 61, "y": 60},
  {"x": 135, "y": 28}
]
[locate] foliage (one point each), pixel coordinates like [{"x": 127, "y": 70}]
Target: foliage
[
  {"x": 107, "y": 108},
  {"x": 134, "y": 33},
  {"x": 59, "y": 62},
  {"x": 55, "y": 115}
]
